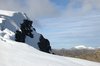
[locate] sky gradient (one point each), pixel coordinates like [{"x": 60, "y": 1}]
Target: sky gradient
[
  {"x": 66, "y": 23},
  {"x": 77, "y": 25}
]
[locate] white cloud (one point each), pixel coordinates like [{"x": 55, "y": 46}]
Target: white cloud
[
  {"x": 85, "y": 29},
  {"x": 34, "y": 8},
  {"x": 72, "y": 30},
  {"x": 81, "y": 7}
]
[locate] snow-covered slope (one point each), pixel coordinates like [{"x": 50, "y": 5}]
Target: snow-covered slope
[
  {"x": 14, "y": 53},
  {"x": 19, "y": 54}
]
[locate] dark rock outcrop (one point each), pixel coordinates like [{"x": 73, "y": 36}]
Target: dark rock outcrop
[
  {"x": 26, "y": 30},
  {"x": 19, "y": 36},
  {"x": 44, "y": 44}
]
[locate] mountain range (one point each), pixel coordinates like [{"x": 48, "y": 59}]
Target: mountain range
[{"x": 84, "y": 47}]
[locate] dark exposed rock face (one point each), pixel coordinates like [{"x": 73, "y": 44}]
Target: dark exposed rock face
[
  {"x": 26, "y": 30},
  {"x": 20, "y": 37},
  {"x": 44, "y": 44}
]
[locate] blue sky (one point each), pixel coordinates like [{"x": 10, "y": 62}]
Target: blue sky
[
  {"x": 67, "y": 31},
  {"x": 66, "y": 23},
  {"x": 60, "y": 3}
]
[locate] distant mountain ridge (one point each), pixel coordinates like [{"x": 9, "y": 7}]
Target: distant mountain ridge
[
  {"x": 84, "y": 47},
  {"x": 80, "y": 51}
]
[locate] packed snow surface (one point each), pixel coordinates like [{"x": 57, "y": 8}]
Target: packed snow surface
[{"x": 19, "y": 54}]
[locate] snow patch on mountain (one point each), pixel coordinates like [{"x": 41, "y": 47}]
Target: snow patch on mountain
[
  {"x": 82, "y": 47},
  {"x": 35, "y": 40},
  {"x": 10, "y": 22},
  {"x": 7, "y": 13},
  {"x": 6, "y": 33}
]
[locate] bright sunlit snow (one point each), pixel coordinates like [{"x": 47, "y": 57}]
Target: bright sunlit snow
[{"x": 20, "y": 54}]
